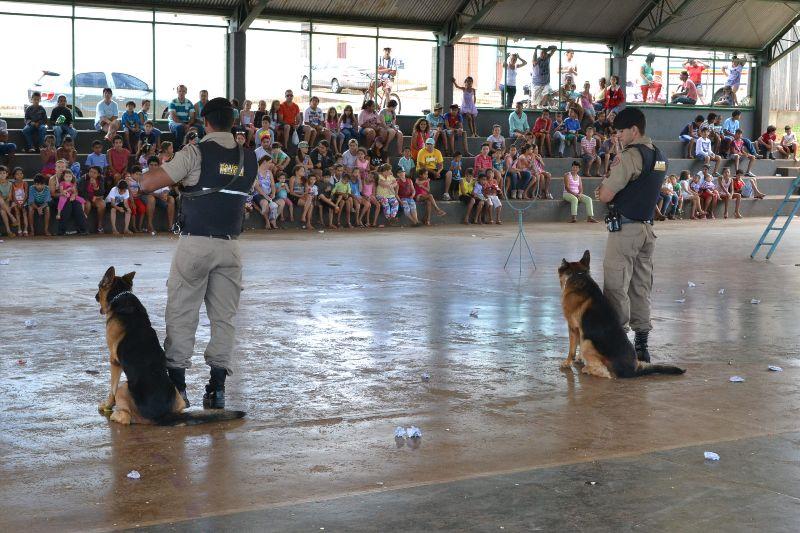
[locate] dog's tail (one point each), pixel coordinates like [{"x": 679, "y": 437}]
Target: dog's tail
[
  {"x": 192, "y": 418},
  {"x": 643, "y": 369}
]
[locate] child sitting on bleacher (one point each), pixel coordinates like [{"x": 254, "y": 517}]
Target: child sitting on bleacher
[
  {"x": 68, "y": 153},
  {"x": 737, "y": 152},
  {"x": 746, "y": 188},
  {"x": 708, "y": 193},
  {"x": 118, "y": 158},
  {"x": 48, "y": 155},
  {"x": 17, "y": 199},
  {"x": 541, "y": 178},
  {"x": 132, "y": 124},
  {"x": 493, "y": 204},
  {"x": 703, "y": 150},
  {"x": 150, "y": 134},
  {"x": 97, "y": 158},
  {"x": 789, "y": 143},
  {"x": 725, "y": 190},
  {"x": 690, "y": 133},
  {"x": 765, "y": 144},
  {"x": 92, "y": 189},
  {"x": 167, "y": 152}
]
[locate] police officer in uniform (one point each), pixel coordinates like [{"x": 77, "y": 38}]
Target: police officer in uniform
[
  {"x": 217, "y": 175},
  {"x": 631, "y": 190}
]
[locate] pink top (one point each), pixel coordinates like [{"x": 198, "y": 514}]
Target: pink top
[
  {"x": 368, "y": 189},
  {"x": 368, "y": 118},
  {"x": 363, "y": 167},
  {"x": 332, "y": 125},
  {"x": 691, "y": 89},
  {"x": 573, "y": 183},
  {"x": 588, "y": 146}
]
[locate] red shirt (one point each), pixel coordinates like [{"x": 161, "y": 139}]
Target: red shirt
[
  {"x": 696, "y": 73},
  {"x": 767, "y": 138},
  {"x": 482, "y": 162},
  {"x": 405, "y": 188},
  {"x": 118, "y": 159},
  {"x": 542, "y": 125},
  {"x": 614, "y": 97},
  {"x": 287, "y": 113}
]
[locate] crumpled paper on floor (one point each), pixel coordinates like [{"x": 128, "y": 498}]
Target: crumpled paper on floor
[
  {"x": 711, "y": 456},
  {"x": 736, "y": 379},
  {"x": 134, "y": 474},
  {"x": 775, "y": 368}
]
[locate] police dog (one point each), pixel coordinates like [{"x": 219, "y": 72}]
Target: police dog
[
  {"x": 593, "y": 324},
  {"x": 149, "y": 396}
]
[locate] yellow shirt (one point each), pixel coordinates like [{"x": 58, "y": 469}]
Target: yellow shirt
[
  {"x": 466, "y": 187},
  {"x": 386, "y": 186},
  {"x": 429, "y": 160}
]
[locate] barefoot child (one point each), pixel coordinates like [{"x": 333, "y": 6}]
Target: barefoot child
[
  {"x": 406, "y": 193},
  {"x": 18, "y": 196},
  {"x": 282, "y": 195},
  {"x": 493, "y": 203},
  {"x": 387, "y": 193},
  {"x": 5, "y": 209},
  {"x": 468, "y": 107},
  {"x": 466, "y": 194},
  {"x": 422, "y": 187},
  {"x": 725, "y": 190},
  {"x": 368, "y": 190},
  {"x": 118, "y": 201}
]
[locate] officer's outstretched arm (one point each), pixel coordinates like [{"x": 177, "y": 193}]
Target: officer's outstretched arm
[{"x": 155, "y": 179}]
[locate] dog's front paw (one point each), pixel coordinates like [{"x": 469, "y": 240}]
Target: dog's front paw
[
  {"x": 566, "y": 364},
  {"x": 105, "y": 407},
  {"x": 121, "y": 417}
]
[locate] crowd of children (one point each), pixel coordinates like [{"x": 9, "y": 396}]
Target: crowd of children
[{"x": 333, "y": 182}]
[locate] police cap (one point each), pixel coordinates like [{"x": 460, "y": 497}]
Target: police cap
[
  {"x": 216, "y": 104},
  {"x": 629, "y": 117}
]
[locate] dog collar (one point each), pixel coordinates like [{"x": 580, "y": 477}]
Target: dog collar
[{"x": 114, "y": 299}]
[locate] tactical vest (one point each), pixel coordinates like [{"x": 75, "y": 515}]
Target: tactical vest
[
  {"x": 221, "y": 212},
  {"x": 637, "y": 201}
]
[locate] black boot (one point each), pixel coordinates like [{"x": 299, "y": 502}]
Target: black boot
[
  {"x": 178, "y": 377},
  {"x": 640, "y": 345},
  {"x": 214, "y": 398}
]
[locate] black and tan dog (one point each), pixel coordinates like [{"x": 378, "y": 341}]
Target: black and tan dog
[
  {"x": 148, "y": 397},
  {"x": 594, "y": 325}
]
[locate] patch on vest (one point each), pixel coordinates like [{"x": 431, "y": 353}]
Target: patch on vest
[
  {"x": 229, "y": 169},
  {"x": 660, "y": 166}
]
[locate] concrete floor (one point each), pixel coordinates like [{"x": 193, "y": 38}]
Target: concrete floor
[{"x": 336, "y": 330}]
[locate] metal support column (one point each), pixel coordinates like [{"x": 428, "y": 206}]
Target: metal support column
[
  {"x": 237, "y": 55},
  {"x": 446, "y": 55}
]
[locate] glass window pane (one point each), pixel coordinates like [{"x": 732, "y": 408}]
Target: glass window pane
[
  {"x": 99, "y": 13},
  {"x": 485, "y": 65},
  {"x": 95, "y": 70},
  {"x": 345, "y": 30},
  {"x": 729, "y": 68},
  {"x": 585, "y": 47},
  {"x": 342, "y": 69},
  {"x": 189, "y": 55},
  {"x": 699, "y": 71},
  {"x": 415, "y": 82},
  {"x": 284, "y": 71},
  {"x": 35, "y": 8},
  {"x": 644, "y": 79},
  {"x": 48, "y": 73}
]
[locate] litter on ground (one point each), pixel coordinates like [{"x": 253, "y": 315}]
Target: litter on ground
[
  {"x": 134, "y": 474},
  {"x": 692, "y": 284},
  {"x": 414, "y": 432},
  {"x": 30, "y": 323},
  {"x": 426, "y": 377},
  {"x": 474, "y": 313},
  {"x": 680, "y": 301},
  {"x": 5, "y": 261},
  {"x": 755, "y": 302},
  {"x": 775, "y": 368},
  {"x": 721, "y": 291},
  {"x": 400, "y": 432},
  {"x": 736, "y": 379},
  {"x": 711, "y": 456}
]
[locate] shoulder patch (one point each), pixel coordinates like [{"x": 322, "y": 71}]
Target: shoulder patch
[{"x": 660, "y": 166}]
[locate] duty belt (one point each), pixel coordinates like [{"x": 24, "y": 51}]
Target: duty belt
[{"x": 626, "y": 220}]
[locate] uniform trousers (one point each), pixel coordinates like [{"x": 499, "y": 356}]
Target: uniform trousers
[
  {"x": 203, "y": 270},
  {"x": 628, "y": 274}
]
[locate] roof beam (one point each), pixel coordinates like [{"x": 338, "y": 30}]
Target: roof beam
[
  {"x": 245, "y": 14},
  {"x": 467, "y": 16},
  {"x": 781, "y": 47},
  {"x": 655, "y": 16}
]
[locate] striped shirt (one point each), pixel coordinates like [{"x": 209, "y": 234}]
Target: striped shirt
[{"x": 183, "y": 110}]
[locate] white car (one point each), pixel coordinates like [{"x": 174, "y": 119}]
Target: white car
[
  {"x": 337, "y": 75},
  {"x": 89, "y": 90}
]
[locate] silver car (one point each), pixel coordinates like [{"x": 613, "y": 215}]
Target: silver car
[
  {"x": 337, "y": 75},
  {"x": 89, "y": 90}
]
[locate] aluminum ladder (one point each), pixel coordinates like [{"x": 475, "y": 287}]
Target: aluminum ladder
[{"x": 771, "y": 227}]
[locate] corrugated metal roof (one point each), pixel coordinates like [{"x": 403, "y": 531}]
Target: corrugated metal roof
[
  {"x": 434, "y": 14},
  {"x": 590, "y": 19},
  {"x": 735, "y": 23}
]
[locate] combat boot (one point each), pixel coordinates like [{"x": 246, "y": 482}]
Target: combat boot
[
  {"x": 214, "y": 398},
  {"x": 178, "y": 378},
  {"x": 640, "y": 345}
]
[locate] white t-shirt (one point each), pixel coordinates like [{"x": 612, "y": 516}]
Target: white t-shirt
[
  {"x": 116, "y": 197},
  {"x": 260, "y": 152},
  {"x": 511, "y": 76},
  {"x": 567, "y": 66},
  {"x": 789, "y": 139}
]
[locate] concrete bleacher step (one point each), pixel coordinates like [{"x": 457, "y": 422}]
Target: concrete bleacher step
[{"x": 541, "y": 211}]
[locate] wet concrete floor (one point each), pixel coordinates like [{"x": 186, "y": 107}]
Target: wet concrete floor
[{"x": 336, "y": 331}]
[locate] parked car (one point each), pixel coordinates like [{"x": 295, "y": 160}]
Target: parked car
[
  {"x": 89, "y": 90},
  {"x": 337, "y": 75}
]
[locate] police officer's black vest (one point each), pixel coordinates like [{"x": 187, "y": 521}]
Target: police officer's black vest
[
  {"x": 637, "y": 201},
  {"x": 218, "y": 213}
]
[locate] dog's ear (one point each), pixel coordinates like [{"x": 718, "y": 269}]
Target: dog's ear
[
  {"x": 564, "y": 263},
  {"x": 108, "y": 277},
  {"x": 128, "y": 278},
  {"x": 585, "y": 259}
]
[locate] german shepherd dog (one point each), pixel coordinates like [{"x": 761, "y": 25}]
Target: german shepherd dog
[
  {"x": 149, "y": 396},
  {"x": 594, "y": 325}
]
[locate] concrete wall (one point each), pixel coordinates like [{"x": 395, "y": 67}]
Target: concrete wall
[{"x": 664, "y": 123}]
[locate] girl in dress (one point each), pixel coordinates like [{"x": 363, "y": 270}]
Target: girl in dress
[
  {"x": 19, "y": 195},
  {"x": 468, "y": 107},
  {"x": 368, "y": 192},
  {"x": 332, "y": 123},
  {"x": 423, "y": 190}
]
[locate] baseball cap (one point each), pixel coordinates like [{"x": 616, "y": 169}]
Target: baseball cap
[
  {"x": 216, "y": 104},
  {"x": 430, "y": 141},
  {"x": 302, "y": 144},
  {"x": 438, "y": 106}
]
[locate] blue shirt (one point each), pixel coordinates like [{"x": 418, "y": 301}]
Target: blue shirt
[
  {"x": 434, "y": 121},
  {"x": 355, "y": 188},
  {"x": 540, "y": 75},
  {"x": 130, "y": 120},
  {"x": 97, "y": 160},
  {"x": 572, "y": 124},
  {"x": 183, "y": 110},
  {"x": 104, "y": 110},
  {"x": 518, "y": 123},
  {"x": 730, "y": 126},
  {"x": 38, "y": 197},
  {"x": 406, "y": 164}
]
